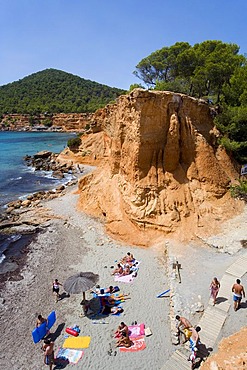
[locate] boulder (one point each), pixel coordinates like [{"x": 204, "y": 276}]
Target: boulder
[
  {"x": 26, "y": 203},
  {"x": 42, "y": 154},
  {"x": 60, "y": 188},
  {"x": 58, "y": 174}
]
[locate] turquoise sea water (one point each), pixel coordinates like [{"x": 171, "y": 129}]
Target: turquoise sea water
[{"x": 18, "y": 180}]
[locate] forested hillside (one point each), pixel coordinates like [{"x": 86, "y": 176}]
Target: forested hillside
[
  {"x": 212, "y": 70},
  {"x": 55, "y": 91}
]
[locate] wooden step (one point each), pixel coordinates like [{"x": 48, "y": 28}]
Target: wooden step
[
  {"x": 239, "y": 267},
  {"x": 177, "y": 361}
]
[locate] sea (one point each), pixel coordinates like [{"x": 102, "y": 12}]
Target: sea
[{"x": 17, "y": 180}]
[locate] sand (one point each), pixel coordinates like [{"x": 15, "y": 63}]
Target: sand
[{"x": 75, "y": 242}]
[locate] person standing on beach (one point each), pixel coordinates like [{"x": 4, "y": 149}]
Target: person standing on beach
[
  {"x": 48, "y": 348},
  {"x": 214, "y": 289},
  {"x": 238, "y": 292},
  {"x": 55, "y": 289}
]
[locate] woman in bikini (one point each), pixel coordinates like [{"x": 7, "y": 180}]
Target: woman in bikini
[
  {"x": 124, "y": 340},
  {"x": 214, "y": 289}
]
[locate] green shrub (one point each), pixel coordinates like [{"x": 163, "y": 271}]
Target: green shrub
[
  {"x": 239, "y": 191},
  {"x": 74, "y": 143}
]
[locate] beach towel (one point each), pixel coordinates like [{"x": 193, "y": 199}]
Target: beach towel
[
  {"x": 77, "y": 342},
  {"x": 124, "y": 279},
  {"x": 67, "y": 354},
  {"x": 136, "y": 330},
  {"x": 138, "y": 345}
]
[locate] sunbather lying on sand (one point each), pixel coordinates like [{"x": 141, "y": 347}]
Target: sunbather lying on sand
[
  {"x": 121, "y": 297},
  {"x": 106, "y": 310},
  {"x": 111, "y": 289},
  {"x": 112, "y": 300},
  {"x": 119, "y": 270},
  {"x": 126, "y": 270}
]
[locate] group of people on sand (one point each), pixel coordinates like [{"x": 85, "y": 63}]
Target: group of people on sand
[
  {"x": 192, "y": 333},
  {"x": 109, "y": 301},
  {"x": 125, "y": 266}
]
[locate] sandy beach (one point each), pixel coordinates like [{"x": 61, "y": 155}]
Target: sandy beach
[{"x": 75, "y": 242}]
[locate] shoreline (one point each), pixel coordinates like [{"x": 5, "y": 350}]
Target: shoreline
[
  {"x": 15, "y": 235},
  {"x": 73, "y": 241}
]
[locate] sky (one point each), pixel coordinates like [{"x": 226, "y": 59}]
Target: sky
[{"x": 104, "y": 40}]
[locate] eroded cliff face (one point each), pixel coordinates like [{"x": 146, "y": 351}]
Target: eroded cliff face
[{"x": 160, "y": 168}]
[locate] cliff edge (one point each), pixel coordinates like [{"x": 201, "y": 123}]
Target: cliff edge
[{"x": 159, "y": 167}]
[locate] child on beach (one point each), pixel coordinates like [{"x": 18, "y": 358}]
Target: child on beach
[{"x": 55, "y": 289}]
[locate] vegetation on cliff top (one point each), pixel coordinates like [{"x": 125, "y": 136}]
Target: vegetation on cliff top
[
  {"x": 55, "y": 91},
  {"x": 212, "y": 70}
]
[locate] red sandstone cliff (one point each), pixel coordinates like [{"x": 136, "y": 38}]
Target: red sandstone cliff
[{"x": 160, "y": 167}]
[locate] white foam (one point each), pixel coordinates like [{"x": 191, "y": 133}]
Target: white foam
[
  {"x": 16, "y": 178},
  {"x": 2, "y": 258}
]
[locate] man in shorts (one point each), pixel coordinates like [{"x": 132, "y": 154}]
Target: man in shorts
[
  {"x": 238, "y": 293},
  {"x": 48, "y": 348},
  {"x": 183, "y": 327}
]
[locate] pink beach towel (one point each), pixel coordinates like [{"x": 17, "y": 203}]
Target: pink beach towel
[
  {"x": 138, "y": 345},
  {"x": 136, "y": 330}
]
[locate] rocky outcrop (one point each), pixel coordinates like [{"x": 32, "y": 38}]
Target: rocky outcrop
[
  {"x": 160, "y": 167},
  {"x": 48, "y": 161}
]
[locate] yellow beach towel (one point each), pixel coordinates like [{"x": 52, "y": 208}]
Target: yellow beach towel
[{"x": 77, "y": 342}]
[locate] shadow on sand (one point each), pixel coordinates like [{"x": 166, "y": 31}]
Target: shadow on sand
[
  {"x": 221, "y": 300},
  {"x": 57, "y": 333},
  {"x": 201, "y": 355},
  {"x": 64, "y": 295}
]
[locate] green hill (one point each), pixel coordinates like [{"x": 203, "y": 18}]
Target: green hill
[{"x": 55, "y": 91}]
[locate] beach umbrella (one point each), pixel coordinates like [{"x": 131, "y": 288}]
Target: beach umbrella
[{"x": 80, "y": 283}]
